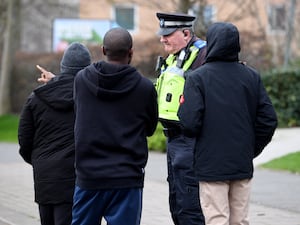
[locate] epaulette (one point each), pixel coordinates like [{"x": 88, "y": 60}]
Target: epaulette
[{"x": 199, "y": 43}]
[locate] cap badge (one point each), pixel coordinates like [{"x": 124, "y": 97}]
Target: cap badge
[{"x": 162, "y": 22}]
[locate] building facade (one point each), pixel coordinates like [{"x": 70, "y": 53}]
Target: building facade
[{"x": 262, "y": 23}]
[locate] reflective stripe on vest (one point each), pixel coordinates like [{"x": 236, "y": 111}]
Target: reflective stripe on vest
[{"x": 170, "y": 85}]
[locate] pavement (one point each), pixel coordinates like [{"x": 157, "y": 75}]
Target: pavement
[{"x": 275, "y": 197}]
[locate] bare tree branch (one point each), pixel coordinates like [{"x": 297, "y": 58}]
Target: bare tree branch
[{"x": 290, "y": 31}]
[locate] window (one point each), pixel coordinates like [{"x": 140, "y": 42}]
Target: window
[
  {"x": 125, "y": 16},
  {"x": 208, "y": 12},
  {"x": 277, "y": 17}
]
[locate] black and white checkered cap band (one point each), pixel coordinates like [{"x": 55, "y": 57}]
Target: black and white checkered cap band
[{"x": 174, "y": 24}]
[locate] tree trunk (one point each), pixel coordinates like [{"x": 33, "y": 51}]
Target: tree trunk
[
  {"x": 290, "y": 30},
  {"x": 10, "y": 42}
]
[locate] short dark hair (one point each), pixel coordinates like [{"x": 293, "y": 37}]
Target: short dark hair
[{"x": 117, "y": 42}]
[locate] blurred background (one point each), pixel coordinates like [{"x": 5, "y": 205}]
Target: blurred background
[{"x": 37, "y": 32}]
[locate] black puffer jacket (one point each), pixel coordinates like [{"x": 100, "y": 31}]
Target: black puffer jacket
[
  {"x": 46, "y": 138},
  {"x": 227, "y": 108}
]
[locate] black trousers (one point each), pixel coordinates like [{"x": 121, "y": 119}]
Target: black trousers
[
  {"x": 183, "y": 187},
  {"x": 56, "y": 214}
]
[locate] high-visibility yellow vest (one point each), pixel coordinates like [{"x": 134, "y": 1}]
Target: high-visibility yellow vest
[{"x": 170, "y": 83}]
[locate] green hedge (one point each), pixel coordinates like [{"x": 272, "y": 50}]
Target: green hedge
[
  {"x": 157, "y": 142},
  {"x": 283, "y": 87}
]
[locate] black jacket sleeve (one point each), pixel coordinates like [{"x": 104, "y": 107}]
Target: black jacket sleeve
[
  {"x": 26, "y": 132},
  {"x": 266, "y": 121},
  {"x": 153, "y": 113},
  {"x": 191, "y": 110}
]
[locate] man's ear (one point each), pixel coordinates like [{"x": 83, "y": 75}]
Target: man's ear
[
  {"x": 103, "y": 50},
  {"x": 130, "y": 53}
]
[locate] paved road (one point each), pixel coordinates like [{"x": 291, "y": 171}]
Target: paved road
[{"x": 275, "y": 196}]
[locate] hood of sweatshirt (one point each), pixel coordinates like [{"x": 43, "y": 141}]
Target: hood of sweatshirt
[
  {"x": 110, "y": 81},
  {"x": 57, "y": 93},
  {"x": 222, "y": 42}
]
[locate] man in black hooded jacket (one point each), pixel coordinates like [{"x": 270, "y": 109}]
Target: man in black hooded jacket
[
  {"x": 46, "y": 138},
  {"x": 116, "y": 109},
  {"x": 225, "y": 106}
]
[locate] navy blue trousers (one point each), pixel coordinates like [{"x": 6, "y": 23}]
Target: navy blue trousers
[
  {"x": 183, "y": 187},
  {"x": 116, "y": 206}
]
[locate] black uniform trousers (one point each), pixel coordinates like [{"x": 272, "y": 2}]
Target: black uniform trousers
[{"x": 183, "y": 187}]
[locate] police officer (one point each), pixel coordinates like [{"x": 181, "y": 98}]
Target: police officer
[{"x": 186, "y": 52}]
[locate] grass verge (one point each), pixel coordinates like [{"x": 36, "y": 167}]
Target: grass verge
[
  {"x": 290, "y": 162},
  {"x": 9, "y": 128}
]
